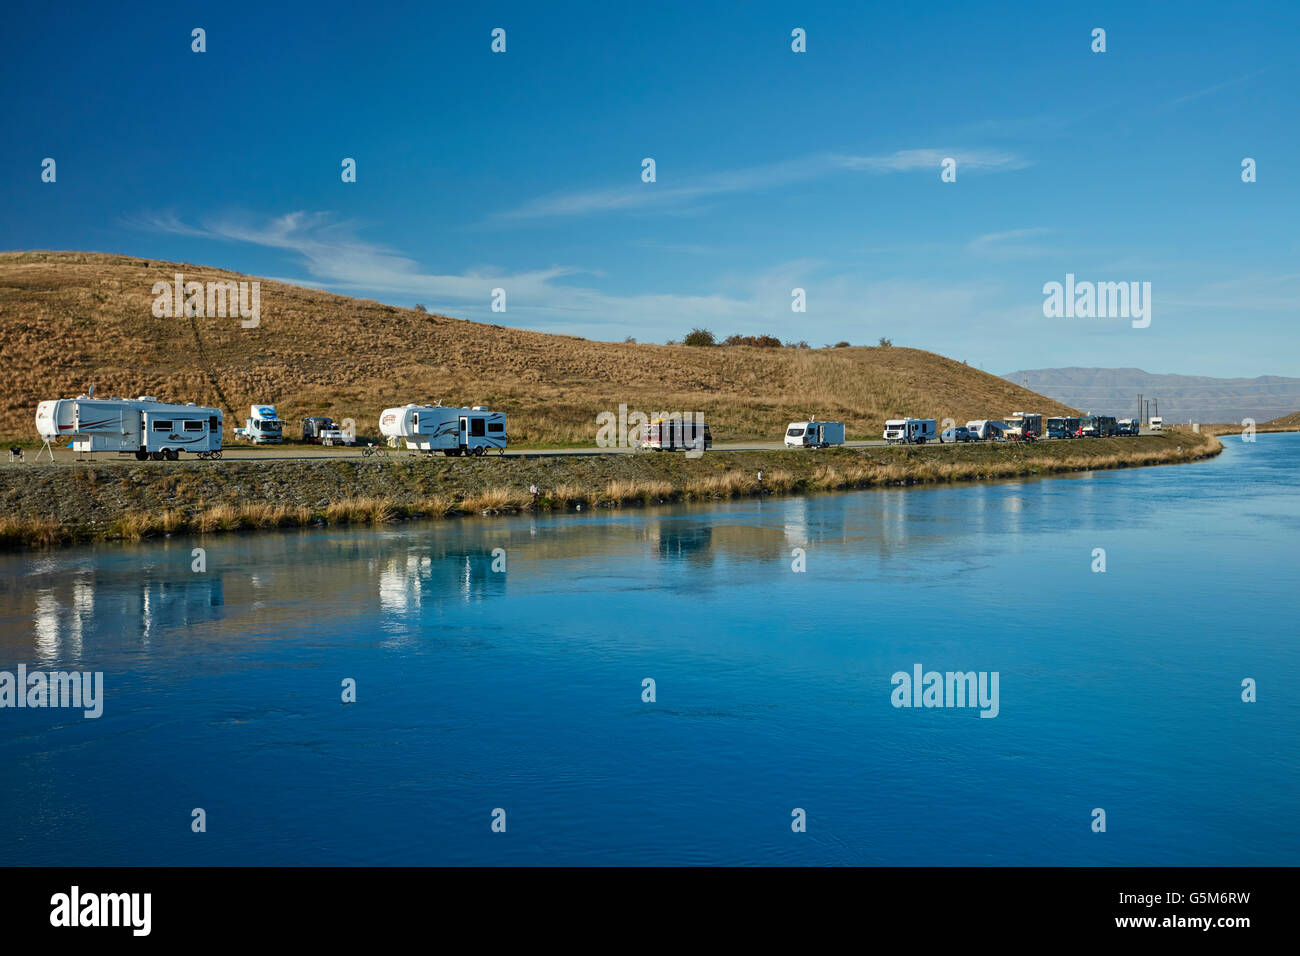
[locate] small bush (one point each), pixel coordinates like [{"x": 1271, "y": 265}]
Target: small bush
[
  {"x": 757, "y": 341},
  {"x": 699, "y": 337}
]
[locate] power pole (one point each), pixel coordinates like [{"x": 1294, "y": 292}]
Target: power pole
[
  {"x": 1141, "y": 420},
  {"x": 1156, "y": 403}
]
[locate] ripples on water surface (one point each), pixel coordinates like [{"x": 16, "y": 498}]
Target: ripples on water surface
[{"x": 523, "y": 690}]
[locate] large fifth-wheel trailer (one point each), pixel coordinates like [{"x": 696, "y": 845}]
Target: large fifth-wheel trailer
[
  {"x": 452, "y": 431},
  {"x": 144, "y": 426}
]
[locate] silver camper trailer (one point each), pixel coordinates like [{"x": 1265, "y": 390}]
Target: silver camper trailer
[
  {"x": 452, "y": 431},
  {"x": 144, "y": 426}
]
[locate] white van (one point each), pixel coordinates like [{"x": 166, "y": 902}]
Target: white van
[
  {"x": 910, "y": 431},
  {"x": 814, "y": 434},
  {"x": 1156, "y": 423}
]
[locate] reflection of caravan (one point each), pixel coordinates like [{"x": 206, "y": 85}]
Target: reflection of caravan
[
  {"x": 141, "y": 426},
  {"x": 452, "y": 431},
  {"x": 910, "y": 431}
]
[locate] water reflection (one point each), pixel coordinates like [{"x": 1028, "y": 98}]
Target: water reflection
[{"x": 66, "y": 606}]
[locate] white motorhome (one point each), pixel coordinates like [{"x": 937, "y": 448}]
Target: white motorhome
[
  {"x": 910, "y": 431},
  {"x": 814, "y": 434},
  {"x": 1024, "y": 425},
  {"x": 1157, "y": 423},
  {"x": 453, "y": 431},
  {"x": 263, "y": 426},
  {"x": 987, "y": 429},
  {"x": 144, "y": 426}
]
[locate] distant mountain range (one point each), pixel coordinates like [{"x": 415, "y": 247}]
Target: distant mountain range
[{"x": 1179, "y": 398}]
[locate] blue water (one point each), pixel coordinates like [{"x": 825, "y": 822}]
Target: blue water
[{"x": 522, "y": 690}]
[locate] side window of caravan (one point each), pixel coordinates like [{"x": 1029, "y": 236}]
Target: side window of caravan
[
  {"x": 496, "y": 427},
  {"x": 191, "y": 426},
  {"x": 162, "y": 426},
  {"x": 476, "y": 428}
]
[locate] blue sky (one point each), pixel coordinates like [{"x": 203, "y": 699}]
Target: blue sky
[{"x": 775, "y": 170}]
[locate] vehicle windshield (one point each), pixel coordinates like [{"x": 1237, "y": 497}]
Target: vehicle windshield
[{"x": 795, "y": 431}]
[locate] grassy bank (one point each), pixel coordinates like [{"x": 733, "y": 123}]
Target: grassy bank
[{"x": 129, "y": 501}]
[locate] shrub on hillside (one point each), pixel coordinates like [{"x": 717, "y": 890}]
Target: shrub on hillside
[
  {"x": 699, "y": 337},
  {"x": 757, "y": 341}
]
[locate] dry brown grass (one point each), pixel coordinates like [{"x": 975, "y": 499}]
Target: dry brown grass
[
  {"x": 731, "y": 484},
  {"x": 568, "y": 494},
  {"x": 68, "y": 319},
  {"x": 495, "y": 501},
  {"x": 360, "y": 510},
  {"x": 622, "y": 490},
  {"x": 222, "y": 517},
  {"x": 434, "y": 506},
  {"x": 41, "y": 532}
]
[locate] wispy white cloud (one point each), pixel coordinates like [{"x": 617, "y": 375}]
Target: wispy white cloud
[
  {"x": 1216, "y": 88},
  {"x": 907, "y": 160},
  {"x": 1010, "y": 244},
  {"x": 660, "y": 196},
  {"x": 841, "y": 304}
]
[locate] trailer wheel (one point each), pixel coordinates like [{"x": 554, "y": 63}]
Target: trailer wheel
[
  {"x": 173, "y": 454},
  {"x": 156, "y": 455},
  {"x": 141, "y": 454}
]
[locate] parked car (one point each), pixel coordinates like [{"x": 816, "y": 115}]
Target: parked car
[{"x": 958, "y": 433}]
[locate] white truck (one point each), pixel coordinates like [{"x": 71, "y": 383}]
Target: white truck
[
  {"x": 814, "y": 434},
  {"x": 453, "y": 431},
  {"x": 910, "y": 431},
  {"x": 1156, "y": 424},
  {"x": 263, "y": 426},
  {"x": 144, "y": 426}
]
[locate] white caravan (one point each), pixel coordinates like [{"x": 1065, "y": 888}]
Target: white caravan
[
  {"x": 814, "y": 434},
  {"x": 144, "y": 426},
  {"x": 910, "y": 431},
  {"x": 263, "y": 426},
  {"x": 987, "y": 429},
  {"x": 1157, "y": 424},
  {"x": 453, "y": 431}
]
